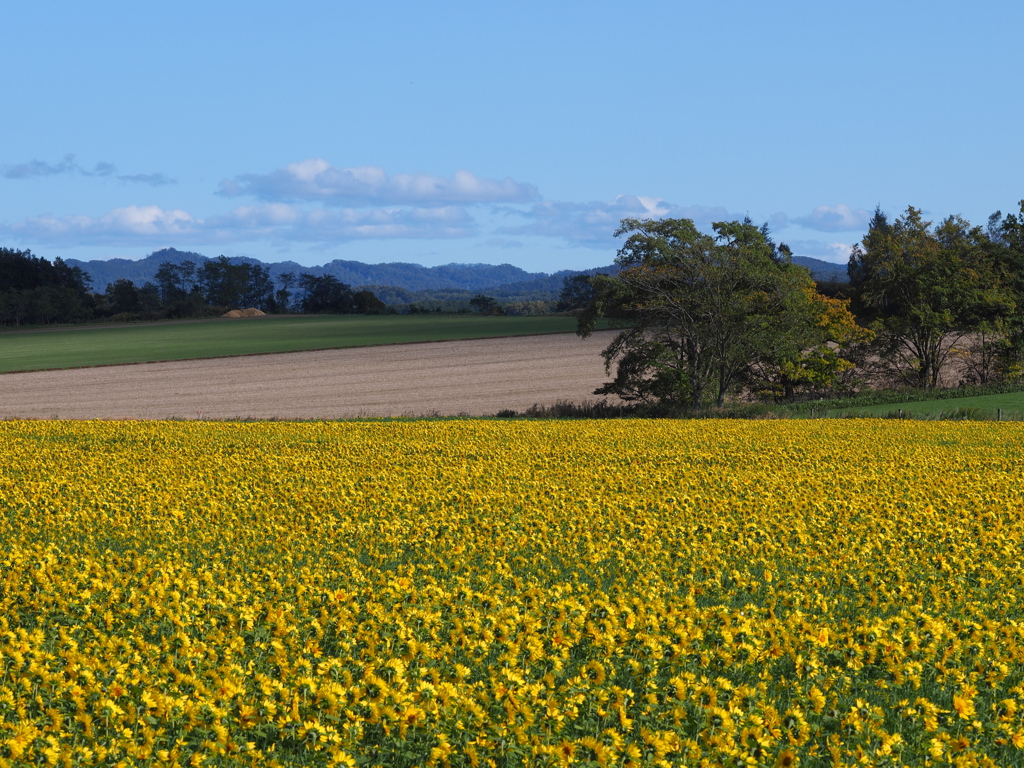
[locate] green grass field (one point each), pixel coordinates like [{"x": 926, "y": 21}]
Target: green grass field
[
  {"x": 1011, "y": 404},
  {"x": 71, "y": 347}
]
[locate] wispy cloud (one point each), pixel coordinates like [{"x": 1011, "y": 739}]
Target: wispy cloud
[
  {"x": 101, "y": 169},
  {"x": 69, "y": 166},
  {"x": 281, "y": 221},
  {"x": 151, "y": 179},
  {"x": 276, "y": 222},
  {"x": 318, "y": 180},
  {"x": 35, "y": 168},
  {"x": 835, "y": 218},
  {"x": 591, "y": 225},
  {"x": 130, "y": 224}
]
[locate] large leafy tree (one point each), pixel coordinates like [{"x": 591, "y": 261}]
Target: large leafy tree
[
  {"x": 925, "y": 288},
  {"x": 702, "y": 311}
]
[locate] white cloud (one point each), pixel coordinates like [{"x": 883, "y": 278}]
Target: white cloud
[
  {"x": 835, "y": 218},
  {"x": 383, "y": 223},
  {"x": 274, "y": 221},
  {"x": 283, "y": 221},
  {"x": 257, "y": 217},
  {"x": 316, "y": 179},
  {"x": 592, "y": 225},
  {"x": 130, "y": 224},
  {"x": 148, "y": 219}
]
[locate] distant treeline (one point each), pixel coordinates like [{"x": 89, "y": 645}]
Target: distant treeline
[
  {"x": 458, "y": 279},
  {"x": 34, "y": 291}
]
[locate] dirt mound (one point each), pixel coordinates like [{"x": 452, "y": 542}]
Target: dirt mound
[{"x": 249, "y": 312}]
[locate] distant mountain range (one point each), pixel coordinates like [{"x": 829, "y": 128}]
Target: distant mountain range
[
  {"x": 404, "y": 281},
  {"x": 410, "y": 277},
  {"x": 823, "y": 270}
]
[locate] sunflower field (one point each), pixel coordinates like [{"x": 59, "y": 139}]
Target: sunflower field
[{"x": 491, "y": 593}]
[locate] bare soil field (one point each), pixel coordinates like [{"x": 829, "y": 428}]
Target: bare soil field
[{"x": 446, "y": 378}]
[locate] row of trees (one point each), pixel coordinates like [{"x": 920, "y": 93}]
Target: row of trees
[
  {"x": 938, "y": 293},
  {"x": 34, "y": 291},
  {"x": 183, "y": 290},
  {"x": 710, "y": 314}
]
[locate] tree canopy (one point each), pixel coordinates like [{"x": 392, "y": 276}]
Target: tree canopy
[
  {"x": 925, "y": 288},
  {"x": 709, "y": 313},
  {"x": 34, "y": 290}
]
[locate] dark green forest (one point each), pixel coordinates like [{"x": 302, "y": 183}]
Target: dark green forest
[{"x": 34, "y": 291}]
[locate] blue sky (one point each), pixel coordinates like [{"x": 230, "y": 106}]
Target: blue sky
[{"x": 475, "y": 132}]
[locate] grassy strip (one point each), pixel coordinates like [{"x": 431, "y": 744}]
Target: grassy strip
[
  {"x": 1008, "y": 405},
  {"x": 87, "y": 346},
  {"x": 904, "y": 396},
  {"x": 1005, "y": 401},
  {"x": 915, "y": 403}
]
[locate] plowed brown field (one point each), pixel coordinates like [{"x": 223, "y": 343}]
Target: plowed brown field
[{"x": 476, "y": 378}]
